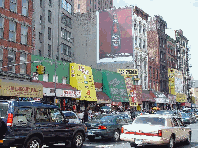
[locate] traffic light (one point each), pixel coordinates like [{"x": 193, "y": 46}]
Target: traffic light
[{"x": 40, "y": 69}]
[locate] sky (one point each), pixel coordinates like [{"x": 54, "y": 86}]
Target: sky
[{"x": 178, "y": 14}]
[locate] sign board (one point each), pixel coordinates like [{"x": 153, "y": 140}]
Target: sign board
[{"x": 128, "y": 72}]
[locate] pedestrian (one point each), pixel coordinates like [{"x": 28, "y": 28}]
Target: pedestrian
[
  {"x": 86, "y": 116},
  {"x": 132, "y": 114}
]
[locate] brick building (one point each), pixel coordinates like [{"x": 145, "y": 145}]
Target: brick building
[
  {"x": 171, "y": 53},
  {"x": 84, "y": 6},
  {"x": 16, "y": 38}
]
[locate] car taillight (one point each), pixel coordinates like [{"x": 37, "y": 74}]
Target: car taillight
[
  {"x": 10, "y": 119},
  {"x": 122, "y": 130},
  {"x": 159, "y": 133},
  {"x": 102, "y": 127}
]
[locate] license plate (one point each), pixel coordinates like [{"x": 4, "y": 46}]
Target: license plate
[
  {"x": 90, "y": 133},
  {"x": 138, "y": 141}
]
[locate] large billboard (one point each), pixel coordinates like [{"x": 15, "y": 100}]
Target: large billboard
[{"x": 114, "y": 35}]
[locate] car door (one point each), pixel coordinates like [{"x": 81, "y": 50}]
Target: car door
[
  {"x": 176, "y": 129},
  {"x": 72, "y": 117},
  {"x": 183, "y": 132},
  {"x": 43, "y": 124}
]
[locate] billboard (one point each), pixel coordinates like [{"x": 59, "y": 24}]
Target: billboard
[
  {"x": 114, "y": 35},
  {"x": 178, "y": 81}
]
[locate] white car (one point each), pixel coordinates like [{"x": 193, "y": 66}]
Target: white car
[
  {"x": 72, "y": 117},
  {"x": 154, "y": 129}
]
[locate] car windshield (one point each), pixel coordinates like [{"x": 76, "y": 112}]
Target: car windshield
[
  {"x": 184, "y": 115},
  {"x": 164, "y": 112},
  {"x": 3, "y": 110},
  {"x": 150, "y": 120},
  {"x": 107, "y": 118}
]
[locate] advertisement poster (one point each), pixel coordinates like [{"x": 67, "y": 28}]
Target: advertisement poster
[{"x": 114, "y": 35}]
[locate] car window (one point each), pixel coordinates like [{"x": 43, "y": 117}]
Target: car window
[
  {"x": 180, "y": 122},
  {"x": 150, "y": 120},
  {"x": 56, "y": 115},
  {"x": 42, "y": 115},
  {"x": 70, "y": 115},
  {"x": 23, "y": 115},
  {"x": 174, "y": 122},
  {"x": 3, "y": 110}
]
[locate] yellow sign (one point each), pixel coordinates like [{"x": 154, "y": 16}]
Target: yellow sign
[
  {"x": 134, "y": 104},
  {"x": 171, "y": 75},
  {"x": 81, "y": 78},
  {"x": 181, "y": 97},
  {"x": 128, "y": 72},
  {"x": 20, "y": 89}
]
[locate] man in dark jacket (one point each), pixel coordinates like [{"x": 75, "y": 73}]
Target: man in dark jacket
[{"x": 86, "y": 116}]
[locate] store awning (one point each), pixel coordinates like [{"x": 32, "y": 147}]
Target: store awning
[
  {"x": 20, "y": 89},
  {"x": 147, "y": 97},
  {"x": 102, "y": 98}
]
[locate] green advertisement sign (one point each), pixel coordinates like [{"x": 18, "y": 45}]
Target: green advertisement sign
[{"x": 114, "y": 86}]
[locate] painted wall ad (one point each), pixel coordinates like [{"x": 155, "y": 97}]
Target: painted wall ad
[{"x": 114, "y": 35}]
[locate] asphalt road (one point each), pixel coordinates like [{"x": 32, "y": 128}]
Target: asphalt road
[{"x": 107, "y": 143}]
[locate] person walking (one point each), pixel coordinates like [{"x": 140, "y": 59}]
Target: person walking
[{"x": 85, "y": 119}]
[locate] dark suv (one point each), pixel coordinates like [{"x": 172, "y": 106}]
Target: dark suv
[{"x": 30, "y": 124}]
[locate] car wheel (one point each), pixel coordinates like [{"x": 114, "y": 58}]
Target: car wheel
[
  {"x": 188, "y": 140},
  {"x": 91, "y": 138},
  {"x": 34, "y": 142},
  {"x": 77, "y": 141},
  {"x": 116, "y": 135},
  {"x": 171, "y": 142}
]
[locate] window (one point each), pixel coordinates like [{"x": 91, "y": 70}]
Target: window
[
  {"x": 49, "y": 50},
  {"x": 1, "y": 3},
  {"x": 45, "y": 77},
  {"x": 41, "y": 3},
  {"x": 50, "y": 3},
  {"x": 95, "y": 6},
  {"x": 24, "y": 30},
  {"x": 90, "y": 10},
  {"x": 56, "y": 116},
  {"x": 23, "y": 59},
  {"x": 54, "y": 78},
  {"x": 39, "y": 52},
  {"x": 49, "y": 16},
  {"x": 144, "y": 29},
  {"x": 13, "y": 5},
  {"x": 64, "y": 80},
  {"x": 69, "y": 7},
  {"x": 90, "y": 1},
  {"x": 40, "y": 37},
  {"x": 66, "y": 20},
  {"x": 49, "y": 33},
  {"x": 70, "y": 115},
  {"x": 25, "y": 7},
  {"x": 1, "y": 27},
  {"x": 135, "y": 40},
  {"x": 40, "y": 19},
  {"x": 144, "y": 44},
  {"x": 42, "y": 115},
  {"x": 153, "y": 73},
  {"x": 64, "y": 4},
  {"x": 12, "y": 31},
  {"x": 64, "y": 49},
  {"x": 11, "y": 61},
  {"x": 64, "y": 33},
  {"x": 140, "y": 27},
  {"x": 140, "y": 42},
  {"x": 78, "y": 6},
  {"x": 1, "y": 58}
]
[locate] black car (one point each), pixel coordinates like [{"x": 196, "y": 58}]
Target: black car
[
  {"x": 30, "y": 124},
  {"x": 108, "y": 126}
]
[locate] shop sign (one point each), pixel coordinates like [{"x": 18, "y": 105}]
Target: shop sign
[
  {"x": 71, "y": 93},
  {"x": 128, "y": 72},
  {"x": 116, "y": 103},
  {"x": 99, "y": 101},
  {"x": 162, "y": 100},
  {"x": 181, "y": 97},
  {"x": 49, "y": 91},
  {"x": 20, "y": 89}
]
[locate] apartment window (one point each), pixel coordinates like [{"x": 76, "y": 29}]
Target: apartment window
[
  {"x": 23, "y": 59},
  {"x": 11, "y": 61},
  {"x": 135, "y": 40},
  {"x": 54, "y": 78},
  {"x": 1, "y": 3},
  {"x": 40, "y": 19},
  {"x": 69, "y": 36},
  {"x": 90, "y": 10},
  {"x": 39, "y": 52},
  {"x": 13, "y": 5},
  {"x": 46, "y": 77},
  {"x": 144, "y": 44},
  {"x": 157, "y": 74},
  {"x": 24, "y": 31},
  {"x": 69, "y": 7},
  {"x": 64, "y": 80},
  {"x": 135, "y": 26},
  {"x": 64, "y": 49},
  {"x": 144, "y": 29},
  {"x": 66, "y": 20},
  {"x": 50, "y": 3},
  {"x": 41, "y": 3},
  {"x": 1, "y": 27},
  {"x": 78, "y": 6},
  {"x": 140, "y": 42},
  {"x": 40, "y": 37},
  {"x": 69, "y": 51},
  {"x": 49, "y": 50},
  {"x": 153, "y": 73},
  {"x": 12, "y": 31},
  {"x": 25, "y": 7},
  {"x": 1, "y": 58},
  {"x": 63, "y": 33},
  {"x": 140, "y": 27},
  {"x": 49, "y": 33},
  {"x": 49, "y": 16},
  {"x": 90, "y": 1},
  {"x": 95, "y": 6}
]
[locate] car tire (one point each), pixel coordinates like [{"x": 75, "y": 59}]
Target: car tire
[
  {"x": 116, "y": 135},
  {"x": 171, "y": 142},
  {"x": 91, "y": 138},
  {"x": 77, "y": 141},
  {"x": 188, "y": 140},
  {"x": 34, "y": 142}
]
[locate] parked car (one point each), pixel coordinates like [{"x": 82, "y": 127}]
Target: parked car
[
  {"x": 185, "y": 118},
  {"x": 31, "y": 124},
  {"x": 72, "y": 117},
  {"x": 196, "y": 114},
  {"x": 156, "y": 129},
  {"x": 108, "y": 126},
  {"x": 192, "y": 117}
]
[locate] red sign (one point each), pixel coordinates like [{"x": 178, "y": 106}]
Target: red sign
[{"x": 136, "y": 93}]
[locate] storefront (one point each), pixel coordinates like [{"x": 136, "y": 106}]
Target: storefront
[
  {"x": 180, "y": 98},
  {"x": 162, "y": 101},
  {"x": 13, "y": 89},
  {"x": 115, "y": 88},
  {"x": 147, "y": 100},
  {"x": 172, "y": 101}
]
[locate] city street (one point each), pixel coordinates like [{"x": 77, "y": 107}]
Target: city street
[{"x": 107, "y": 143}]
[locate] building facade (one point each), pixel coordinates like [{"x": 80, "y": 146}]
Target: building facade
[
  {"x": 52, "y": 29},
  {"x": 84, "y": 6}
]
